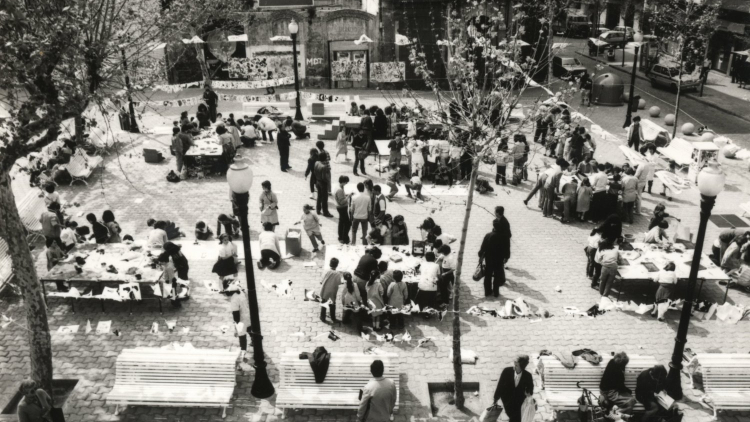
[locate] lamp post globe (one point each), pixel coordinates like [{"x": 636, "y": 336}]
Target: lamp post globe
[
  {"x": 638, "y": 37},
  {"x": 293, "y": 27},
  {"x": 711, "y": 179},
  {"x": 240, "y": 177}
]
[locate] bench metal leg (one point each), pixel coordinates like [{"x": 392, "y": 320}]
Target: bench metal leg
[
  {"x": 716, "y": 411},
  {"x": 283, "y": 413},
  {"x": 117, "y": 410},
  {"x": 224, "y": 412}
]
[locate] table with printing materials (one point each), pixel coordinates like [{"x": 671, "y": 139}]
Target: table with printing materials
[{"x": 133, "y": 263}]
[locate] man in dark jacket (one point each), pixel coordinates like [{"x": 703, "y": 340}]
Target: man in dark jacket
[
  {"x": 367, "y": 126},
  {"x": 212, "y": 100},
  {"x": 514, "y": 385},
  {"x": 495, "y": 251},
  {"x": 282, "y": 141},
  {"x": 322, "y": 173},
  {"x": 651, "y": 382}
]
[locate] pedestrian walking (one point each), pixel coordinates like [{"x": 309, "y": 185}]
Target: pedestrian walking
[
  {"x": 514, "y": 386},
  {"x": 585, "y": 84},
  {"x": 378, "y": 397},
  {"x": 311, "y": 224},
  {"x": 359, "y": 143},
  {"x": 342, "y": 200},
  {"x": 366, "y": 125},
  {"x": 282, "y": 141},
  {"x": 495, "y": 251},
  {"x": 212, "y": 100},
  {"x": 635, "y": 133}
]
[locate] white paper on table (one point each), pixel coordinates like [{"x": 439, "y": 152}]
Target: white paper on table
[
  {"x": 68, "y": 329},
  {"x": 103, "y": 327}
]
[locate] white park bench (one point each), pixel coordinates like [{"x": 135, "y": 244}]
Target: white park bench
[
  {"x": 81, "y": 166},
  {"x": 348, "y": 373},
  {"x": 184, "y": 378},
  {"x": 726, "y": 380},
  {"x": 562, "y": 386},
  {"x": 30, "y": 209},
  {"x": 6, "y": 265}
]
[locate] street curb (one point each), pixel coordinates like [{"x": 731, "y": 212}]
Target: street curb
[{"x": 692, "y": 97}]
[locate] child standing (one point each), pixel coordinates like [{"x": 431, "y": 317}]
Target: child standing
[
  {"x": 397, "y": 295},
  {"x": 375, "y": 299},
  {"x": 311, "y": 224},
  {"x": 329, "y": 288},
  {"x": 584, "y": 199},
  {"x": 501, "y": 160},
  {"x": 667, "y": 280}
]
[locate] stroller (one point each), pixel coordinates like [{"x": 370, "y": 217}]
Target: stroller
[{"x": 587, "y": 410}]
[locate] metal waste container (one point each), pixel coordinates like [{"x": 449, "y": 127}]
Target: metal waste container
[
  {"x": 293, "y": 241},
  {"x": 607, "y": 90}
]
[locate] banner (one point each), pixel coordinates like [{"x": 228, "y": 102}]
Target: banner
[
  {"x": 252, "y": 84},
  {"x": 178, "y": 87},
  {"x": 348, "y": 70},
  {"x": 387, "y": 71},
  {"x": 310, "y": 96}
]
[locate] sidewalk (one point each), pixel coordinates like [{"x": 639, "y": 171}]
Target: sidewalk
[{"x": 719, "y": 93}]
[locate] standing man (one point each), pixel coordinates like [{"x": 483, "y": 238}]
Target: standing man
[
  {"x": 599, "y": 185},
  {"x": 635, "y": 133},
  {"x": 360, "y": 211},
  {"x": 342, "y": 207},
  {"x": 495, "y": 252},
  {"x": 367, "y": 126},
  {"x": 51, "y": 226},
  {"x": 541, "y": 126},
  {"x": 323, "y": 155},
  {"x": 212, "y": 100},
  {"x": 282, "y": 142},
  {"x": 323, "y": 182},
  {"x": 378, "y": 212},
  {"x": 378, "y": 397},
  {"x": 642, "y": 174},
  {"x": 514, "y": 385}
]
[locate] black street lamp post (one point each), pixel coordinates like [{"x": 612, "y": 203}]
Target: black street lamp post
[
  {"x": 628, "y": 114},
  {"x": 293, "y": 29},
  {"x": 240, "y": 179},
  {"x": 710, "y": 183}
]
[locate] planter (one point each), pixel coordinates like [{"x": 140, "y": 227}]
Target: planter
[{"x": 443, "y": 406}]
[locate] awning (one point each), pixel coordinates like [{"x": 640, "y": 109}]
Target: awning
[
  {"x": 742, "y": 53},
  {"x": 281, "y": 38},
  {"x": 195, "y": 40},
  {"x": 726, "y": 26}
]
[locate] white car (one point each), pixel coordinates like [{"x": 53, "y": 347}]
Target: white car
[{"x": 667, "y": 75}]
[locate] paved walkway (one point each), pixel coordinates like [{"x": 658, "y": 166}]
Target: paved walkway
[{"x": 545, "y": 254}]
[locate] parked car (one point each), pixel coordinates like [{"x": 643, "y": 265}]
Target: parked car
[
  {"x": 573, "y": 26},
  {"x": 613, "y": 38},
  {"x": 628, "y": 32},
  {"x": 667, "y": 75},
  {"x": 599, "y": 30},
  {"x": 566, "y": 67}
]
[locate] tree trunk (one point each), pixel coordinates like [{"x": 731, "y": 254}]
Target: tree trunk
[
  {"x": 457, "y": 369},
  {"x": 14, "y": 234},
  {"x": 200, "y": 55},
  {"x": 550, "y": 39},
  {"x": 80, "y": 126}
]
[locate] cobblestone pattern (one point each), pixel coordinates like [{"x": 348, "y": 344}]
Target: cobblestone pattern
[{"x": 545, "y": 254}]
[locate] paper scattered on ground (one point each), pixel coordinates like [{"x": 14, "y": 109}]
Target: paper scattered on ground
[
  {"x": 68, "y": 329},
  {"x": 138, "y": 200},
  {"x": 103, "y": 327}
]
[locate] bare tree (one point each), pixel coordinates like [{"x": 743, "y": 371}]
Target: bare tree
[{"x": 486, "y": 79}]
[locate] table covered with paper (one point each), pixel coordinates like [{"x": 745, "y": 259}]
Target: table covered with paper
[
  {"x": 125, "y": 265},
  {"x": 646, "y": 260}
]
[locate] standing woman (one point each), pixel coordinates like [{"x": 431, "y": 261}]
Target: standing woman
[
  {"x": 342, "y": 145},
  {"x": 427, "y": 296},
  {"x": 176, "y": 264},
  {"x": 370, "y": 190},
  {"x": 226, "y": 264},
  {"x": 380, "y": 125},
  {"x": 269, "y": 205},
  {"x": 108, "y": 218},
  {"x": 240, "y": 315},
  {"x": 399, "y": 233}
]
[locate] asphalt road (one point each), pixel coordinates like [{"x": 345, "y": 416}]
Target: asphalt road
[{"x": 690, "y": 110}]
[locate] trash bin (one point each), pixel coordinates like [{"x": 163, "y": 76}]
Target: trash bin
[
  {"x": 607, "y": 90},
  {"x": 294, "y": 241}
]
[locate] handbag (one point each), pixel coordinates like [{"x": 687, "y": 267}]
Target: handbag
[
  {"x": 363, "y": 154},
  {"x": 491, "y": 414},
  {"x": 479, "y": 272},
  {"x": 528, "y": 410}
]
